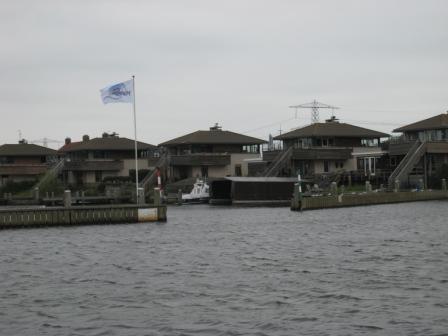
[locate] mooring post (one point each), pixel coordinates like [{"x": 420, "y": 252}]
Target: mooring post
[
  {"x": 421, "y": 185},
  {"x": 36, "y": 194},
  {"x": 179, "y": 197},
  {"x": 157, "y": 196},
  {"x": 334, "y": 188},
  {"x": 141, "y": 196},
  {"x": 444, "y": 184},
  {"x": 397, "y": 186},
  {"x": 67, "y": 198},
  {"x": 297, "y": 197},
  {"x": 368, "y": 187}
]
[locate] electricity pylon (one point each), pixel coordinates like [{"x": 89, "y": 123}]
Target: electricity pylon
[{"x": 314, "y": 106}]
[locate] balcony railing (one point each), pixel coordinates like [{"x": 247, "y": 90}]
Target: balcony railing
[
  {"x": 23, "y": 169},
  {"x": 319, "y": 153},
  {"x": 200, "y": 159},
  {"x": 93, "y": 165}
]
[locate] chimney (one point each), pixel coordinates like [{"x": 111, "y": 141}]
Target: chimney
[
  {"x": 216, "y": 127},
  {"x": 85, "y": 138},
  {"x": 68, "y": 141}
]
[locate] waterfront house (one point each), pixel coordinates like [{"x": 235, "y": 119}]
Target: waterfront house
[
  {"x": 327, "y": 148},
  {"x": 91, "y": 160},
  {"x": 24, "y": 162},
  {"x": 420, "y": 151},
  {"x": 212, "y": 153}
]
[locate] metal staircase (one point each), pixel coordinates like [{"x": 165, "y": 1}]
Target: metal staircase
[
  {"x": 408, "y": 163},
  {"x": 280, "y": 161},
  {"x": 150, "y": 179}
]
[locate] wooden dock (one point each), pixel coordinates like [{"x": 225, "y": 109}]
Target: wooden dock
[{"x": 80, "y": 215}]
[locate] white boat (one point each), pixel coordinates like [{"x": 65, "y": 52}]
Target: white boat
[{"x": 199, "y": 193}]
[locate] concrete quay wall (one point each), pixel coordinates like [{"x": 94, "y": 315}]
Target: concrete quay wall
[
  {"x": 83, "y": 215},
  {"x": 348, "y": 200}
]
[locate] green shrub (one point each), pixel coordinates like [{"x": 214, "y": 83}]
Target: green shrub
[{"x": 51, "y": 185}]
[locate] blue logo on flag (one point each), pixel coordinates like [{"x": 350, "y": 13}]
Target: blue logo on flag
[{"x": 118, "y": 91}]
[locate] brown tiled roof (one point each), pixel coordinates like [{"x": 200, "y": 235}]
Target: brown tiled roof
[
  {"x": 438, "y": 122},
  {"x": 332, "y": 129},
  {"x": 25, "y": 150},
  {"x": 109, "y": 143},
  {"x": 213, "y": 137}
]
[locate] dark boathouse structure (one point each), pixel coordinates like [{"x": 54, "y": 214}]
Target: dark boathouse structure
[{"x": 252, "y": 190}]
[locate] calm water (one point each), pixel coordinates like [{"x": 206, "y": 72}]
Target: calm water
[{"x": 380, "y": 270}]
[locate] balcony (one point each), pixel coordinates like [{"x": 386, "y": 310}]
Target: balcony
[
  {"x": 322, "y": 153},
  {"x": 11, "y": 169},
  {"x": 440, "y": 146},
  {"x": 94, "y": 165},
  {"x": 200, "y": 159},
  {"x": 402, "y": 147}
]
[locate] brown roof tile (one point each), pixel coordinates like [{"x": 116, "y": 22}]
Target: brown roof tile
[
  {"x": 332, "y": 129},
  {"x": 109, "y": 143},
  {"x": 438, "y": 122},
  {"x": 214, "y": 137},
  {"x": 25, "y": 150}
]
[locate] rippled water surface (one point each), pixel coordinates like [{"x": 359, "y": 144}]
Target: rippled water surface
[{"x": 379, "y": 270}]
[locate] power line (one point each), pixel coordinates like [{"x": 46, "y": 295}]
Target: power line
[{"x": 269, "y": 125}]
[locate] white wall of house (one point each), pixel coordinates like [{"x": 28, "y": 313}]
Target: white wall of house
[
  {"x": 351, "y": 164},
  {"x": 318, "y": 167},
  {"x": 239, "y": 159},
  {"x": 218, "y": 171},
  {"x": 227, "y": 170},
  {"x": 129, "y": 164},
  {"x": 88, "y": 177}
]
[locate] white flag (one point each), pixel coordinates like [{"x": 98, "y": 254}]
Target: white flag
[{"x": 118, "y": 93}]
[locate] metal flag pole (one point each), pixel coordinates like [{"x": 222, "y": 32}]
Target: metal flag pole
[{"x": 135, "y": 139}]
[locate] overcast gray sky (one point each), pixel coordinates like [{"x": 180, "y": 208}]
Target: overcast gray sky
[{"x": 239, "y": 63}]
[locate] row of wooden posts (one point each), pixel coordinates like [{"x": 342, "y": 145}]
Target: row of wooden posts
[{"x": 19, "y": 217}]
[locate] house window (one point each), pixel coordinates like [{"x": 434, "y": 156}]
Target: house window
[
  {"x": 250, "y": 149},
  {"x": 369, "y": 142},
  {"x": 327, "y": 142},
  {"x": 204, "y": 171},
  {"x": 7, "y": 159},
  {"x": 98, "y": 176},
  {"x": 326, "y": 166},
  {"x": 339, "y": 164},
  {"x": 99, "y": 154},
  {"x": 369, "y": 166},
  {"x": 238, "y": 171}
]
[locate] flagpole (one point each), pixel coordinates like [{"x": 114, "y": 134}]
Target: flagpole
[{"x": 135, "y": 139}]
